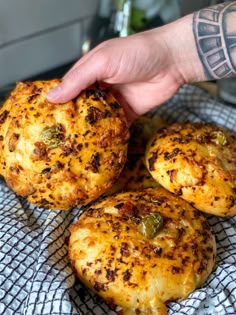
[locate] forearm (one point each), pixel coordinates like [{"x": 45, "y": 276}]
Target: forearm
[
  {"x": 203, "y": 44},
  {"x": 148, "y": 68}
]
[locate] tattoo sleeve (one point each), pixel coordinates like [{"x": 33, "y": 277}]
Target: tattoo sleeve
[{"x": 214, "y": 30}]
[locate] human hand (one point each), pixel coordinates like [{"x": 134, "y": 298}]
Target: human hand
[{"x": 144, "y": 70}]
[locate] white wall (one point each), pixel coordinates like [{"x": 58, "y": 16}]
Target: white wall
[{"x": 36, "y": 36}]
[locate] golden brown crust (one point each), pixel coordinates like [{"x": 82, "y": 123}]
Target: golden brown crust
[
  {"x": 197, "y": 162},
  {"x": 61, "y": 155},
  {"x": 115, "y": 260},
  {"x": 134, "y": 176}
]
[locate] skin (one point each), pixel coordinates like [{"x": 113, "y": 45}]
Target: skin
[{"x": 148, "y": 68}]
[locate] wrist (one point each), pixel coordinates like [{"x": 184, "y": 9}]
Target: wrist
[{"x": 182, "y": 49}]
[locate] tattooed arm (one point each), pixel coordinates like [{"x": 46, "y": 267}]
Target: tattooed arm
[
  {"x": 215, "y": 35},
  {"x": 148, "y": 68}
]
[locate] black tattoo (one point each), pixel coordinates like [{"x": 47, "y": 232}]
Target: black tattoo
[{"x": 214, "y": 30}]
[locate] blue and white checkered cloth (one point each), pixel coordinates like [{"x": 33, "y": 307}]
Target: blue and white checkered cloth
[{"x": 35, "y": 274}]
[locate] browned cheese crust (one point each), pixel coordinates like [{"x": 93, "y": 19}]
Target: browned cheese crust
[
  {"x": 61, "y": 155},
  {"x": 114, "y": 258},
  {"x": 197, "y": 162},
  {"x": 134, "y": 176}
]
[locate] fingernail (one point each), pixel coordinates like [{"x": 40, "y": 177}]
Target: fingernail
[{"x": 54, "y": 93}]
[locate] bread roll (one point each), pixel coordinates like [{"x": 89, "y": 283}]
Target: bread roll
[
  {"x": 134, "y": 176},
  {"x": 61, "y": 155},
  {"x": 140, "y": 250},
  {"x": 196, "y": 161}
]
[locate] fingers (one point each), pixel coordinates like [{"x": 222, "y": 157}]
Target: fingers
[
  {"x": 100, "y": 64},
  {"x": 84, "y": 73},
  {"x": 85, "y": 58}
]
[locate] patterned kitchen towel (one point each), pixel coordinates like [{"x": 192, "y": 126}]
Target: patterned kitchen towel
[{"x": 35, "y": 274}]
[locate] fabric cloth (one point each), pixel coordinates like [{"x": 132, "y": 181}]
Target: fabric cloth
[{"x": 35, "y": 274}]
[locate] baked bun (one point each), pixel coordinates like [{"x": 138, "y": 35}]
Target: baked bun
[
  {"x": 141, "y": 130},
  {"x": 61, "y": 155},
  {"x": 196, "y": 161},
  {"x": 134, "y": 176},
  {"x": 140, "y": 250}
]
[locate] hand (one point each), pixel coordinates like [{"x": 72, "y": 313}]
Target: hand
[{"x": 143, "y": 69}]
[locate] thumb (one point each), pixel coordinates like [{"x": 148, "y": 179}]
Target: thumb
[{"x": 86, "y": 73}]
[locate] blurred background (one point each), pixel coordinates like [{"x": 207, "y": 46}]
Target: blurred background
[{"x": 42, "y": 39}]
